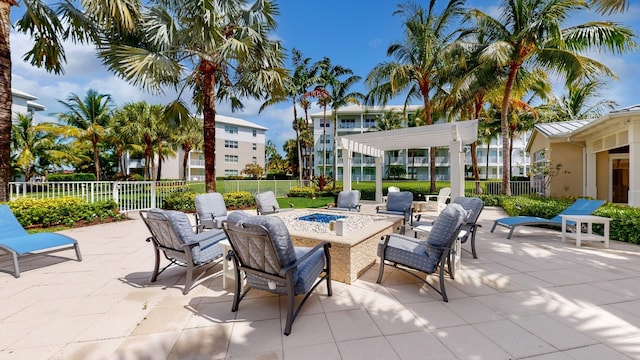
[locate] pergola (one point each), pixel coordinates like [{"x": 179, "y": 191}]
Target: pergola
[{"x": 452, "y": 135}]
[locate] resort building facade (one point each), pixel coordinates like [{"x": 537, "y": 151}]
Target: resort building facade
[
  {"x": 599, "y": 158},
  {"x": 356, "y": 119},
  {"x": 23, "y": 103},
  {"x": 238, "y": 143}
]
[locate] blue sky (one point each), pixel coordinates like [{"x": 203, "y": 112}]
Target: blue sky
[{"x": 353, "y": 33}]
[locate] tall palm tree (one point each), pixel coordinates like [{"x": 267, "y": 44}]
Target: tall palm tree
[
  {"x": 338, "y": 95},
  {"x": 49, "y": 27},
  {"x": 390, "y": 120},
  {"x": 531, "y": 31},
  {"x": 189, "y": 137},
  {"x": 87, "y": 119},
  {"x": 220, "y": 49},
  {"x": 419, "y": 61}
]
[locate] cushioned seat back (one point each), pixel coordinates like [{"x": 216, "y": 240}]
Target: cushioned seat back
[
  {"x": 445, "y": 229},
  {"x": 471, "y": 204},
  {"x": 9, "y": 224},
  {"x": 266, "y": 202},
  {"x": 210, "y": 204},
  {"x": 399, "y": 201},
  {"x": 348, "y": 199},
  {"x": 253, "y": 248},
  {"x": 159, "y": 224}
]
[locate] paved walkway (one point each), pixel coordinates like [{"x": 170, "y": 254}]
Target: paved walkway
[{"x": 531, "y": 297}]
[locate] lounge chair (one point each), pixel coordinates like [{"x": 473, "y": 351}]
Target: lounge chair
[
  {"x": 173, "y": 235},
  {"x": 398, "y": 203},
  {"x": 428, "y": 256},
  {"x": 579, "y": 207},
  {"x": 266, "y": 203},
  {"x": 263, "y": 250},
  {"x": 211, "y": 211},
  {"x": 17, "y": 242},
  {"x": 438, "y": 202},
  {"x": 347, "y": 201}
]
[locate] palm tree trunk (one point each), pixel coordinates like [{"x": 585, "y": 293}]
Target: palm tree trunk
[
  {"x": 5, "y": 100},
  {"x": 504, "y": 126},
  {"x": 185, "y": 161},
  {"x": 96, "y": 159},
  {"x": 209, "y": 124},
  {"x": 335, "y": 149},
  {"x": 324, "y": 143},
  {"x": 159, "y": 174}
]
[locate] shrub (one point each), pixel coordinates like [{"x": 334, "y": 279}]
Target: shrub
[
  {"x": 301, "y": 192},
  {"x": 181, "y": 201},
  {"x": 72, "y": 177},
  {"x": 62, "y": 211},
  {"x": 239, "y": 199}
]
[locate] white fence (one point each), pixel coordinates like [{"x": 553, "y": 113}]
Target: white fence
[{"x": 141, "y": 195}]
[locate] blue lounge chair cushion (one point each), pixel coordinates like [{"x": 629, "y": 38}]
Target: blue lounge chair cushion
[{"x": 211, "y": 209}]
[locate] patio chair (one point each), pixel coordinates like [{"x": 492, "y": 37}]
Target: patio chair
[
  {"x": 407, "y": 253},
  {"x": 579, "y": 207},
  {"x": 262, "y": 249},
  {"x": 211, "y": 211},
  {"x": 174, "y": 236},
  {"x": 266, "y": 203},
  {"x": 438, "y": 202},
  {"x": 398, "y": 203},
  {"x": 17, "y": 242},
  {"x": 347, "y": 201},
  {"x": 472, "y": 205}
]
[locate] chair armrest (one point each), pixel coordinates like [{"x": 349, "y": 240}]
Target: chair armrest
[
  {"x": 429, "y": 197},
  {"x": 291, "y": 205},
  {"x": 358, "y": 207},
  {"x": 299, "y": 260}
]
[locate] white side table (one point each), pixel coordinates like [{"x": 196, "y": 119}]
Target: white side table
[
  {"x": 228, "y": 272},
  {"x": 589, "y": 235}
]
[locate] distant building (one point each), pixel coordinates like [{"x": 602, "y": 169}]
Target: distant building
[
  {"x": 23, "y": 103},
  {"x": 238, "y": 143},
  {"x": 357, "y": 119}
]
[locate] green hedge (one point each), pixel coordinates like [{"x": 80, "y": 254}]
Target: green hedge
[
  {"x": 62, "y": 211},
  {"x": 72, "y": 177},
  {"x": 185, "y": 201}
]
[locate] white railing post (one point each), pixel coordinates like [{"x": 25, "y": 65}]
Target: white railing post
[{"x": 153, "y": 194}]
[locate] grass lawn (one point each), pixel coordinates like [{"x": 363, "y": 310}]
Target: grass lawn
[{"x": 301, "y": 203}]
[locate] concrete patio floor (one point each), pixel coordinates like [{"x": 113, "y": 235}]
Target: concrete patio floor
[{"x": 531, "y": 297}]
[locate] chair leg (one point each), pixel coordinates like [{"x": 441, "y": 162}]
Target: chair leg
[
  {"x": 187, "y": 284},
  {"x": 290, "y": 299},
  {"x": 495, "y": 223},
  {"x": 236, "y": 296},
  {"x": 511, "y": 232},
  {"x": 77, "y": 249},
  {"x": 381, "y": 270},
  {"x": 156, "y": 267},
  {"x": 473, "y": 244},
  {"x": 443, "y": 291},
  {"x": 16, "y": 267}
]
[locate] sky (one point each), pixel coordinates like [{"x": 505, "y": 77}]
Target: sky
[{"x": 354, "y": 34}]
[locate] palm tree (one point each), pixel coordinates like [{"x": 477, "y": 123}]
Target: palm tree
[
  {"x": 87, "y": 120},
  {"x": 49, "y": 27},
  {"x": 228, "y": 44},
  {"x": 30, "y": 143},
  {"x": 189, "y": 137},
  {"x": 337, "y": 93},
  {"x": 582, "y": 100},
  {"x": 530, "y": 31},
  {"x": 608, "y": 7},
  {"x": 390, "y": 120},
  {"x": 303, "y": 77},
  {"x": 420, "y": 61}
]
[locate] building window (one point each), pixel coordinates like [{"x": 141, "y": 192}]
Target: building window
[
  {"x": 230, "y": 129},
  {"x": 369, "y": 123},
  {"x": 254, "y": 146},
  {"x": 230, "y": 144},
  {"x": 231, "y": 158},
  {"x": 347, "y": 123},
  {"x": 325, "y": 123},
  {"x": 255, "y": 132},
  {"x": 254, "y": 160},
  {"x": 228, "y": 172}
]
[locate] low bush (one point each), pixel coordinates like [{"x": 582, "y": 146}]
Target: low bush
[
  {"x": 239, "y": 199},
  {"x": 301, "y": 192},
  {"x": 185, "y": 200},
  {"x": 63, "y": 211}
]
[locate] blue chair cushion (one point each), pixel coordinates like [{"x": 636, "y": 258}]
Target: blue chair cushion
[
  {"x": 399, "y": 201},
  {"x": 348, "y": 199},
  {"x": 409, "y": 252},
  {"x": 211, "y": 205},
  {"x": 445, "y": 229}
]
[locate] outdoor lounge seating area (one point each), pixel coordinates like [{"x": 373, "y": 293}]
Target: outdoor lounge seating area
[{"x": 535, "y": 298}]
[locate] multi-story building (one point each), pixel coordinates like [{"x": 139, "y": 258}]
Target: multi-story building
[
  {"x": 356, "y": 119},
  {"x": 238, "y": 143},
  {"x": 22, "y": 103}
]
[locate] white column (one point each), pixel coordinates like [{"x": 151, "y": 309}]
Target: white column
[
  {"x": 634, "y": 164},
  {"x": 346, "y": 168},
  {"x": 378, "y": 162},
  {"x": 590, "y": 188},
  {"x": 456, "y": 161}
]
